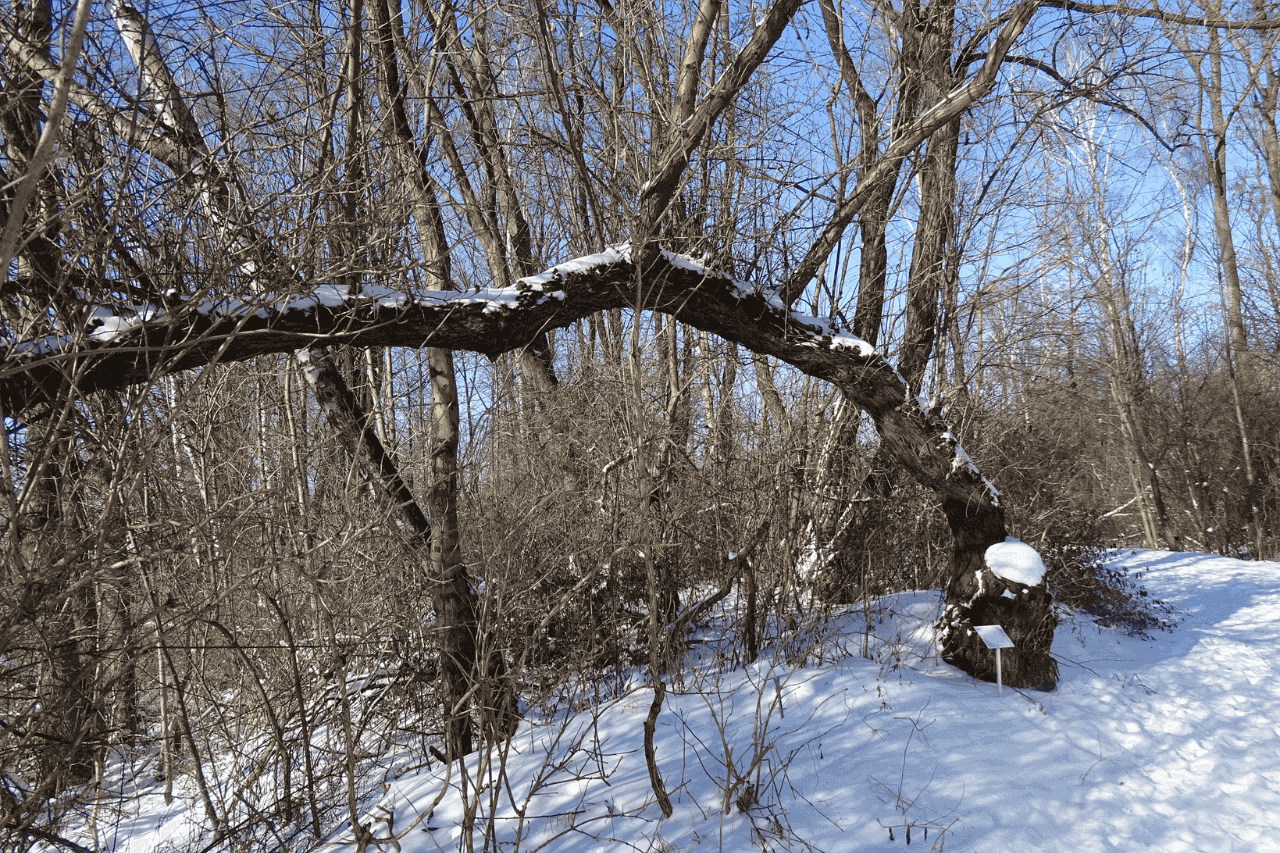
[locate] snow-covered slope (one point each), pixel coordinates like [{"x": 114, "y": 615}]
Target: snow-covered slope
[{"x": 1168, "y": 744}]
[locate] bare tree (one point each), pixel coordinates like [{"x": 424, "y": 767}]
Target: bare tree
[{"x": 372, "y": 179}]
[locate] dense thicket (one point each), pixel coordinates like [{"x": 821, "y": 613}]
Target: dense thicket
[{"x": 1060, "y": 222}]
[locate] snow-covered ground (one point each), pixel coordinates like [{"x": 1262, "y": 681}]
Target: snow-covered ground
[{"x": 1167, "y": 744}]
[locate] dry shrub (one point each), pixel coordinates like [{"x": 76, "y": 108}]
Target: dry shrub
[{"x": 1080, "y": 578}]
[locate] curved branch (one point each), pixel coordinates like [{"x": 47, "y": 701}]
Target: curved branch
[
  {"x": 140, "y": 349},
  {"x": 1095, "y": 92}
]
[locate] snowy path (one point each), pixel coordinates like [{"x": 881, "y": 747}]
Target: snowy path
[
  {"x": 1187, "y": 728},
  {"x": 1171, "y": 744}
]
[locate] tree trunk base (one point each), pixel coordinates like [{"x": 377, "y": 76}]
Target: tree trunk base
[{"x": 1026, "y": 614}]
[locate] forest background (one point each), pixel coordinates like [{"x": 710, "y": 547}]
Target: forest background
[{"x": 238, "y": 480}]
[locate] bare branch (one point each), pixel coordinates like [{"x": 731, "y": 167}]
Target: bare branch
[
  {"x": 664, "y": 178},
  {"x": 28, "y": 183},
  {"x": 1154, "y": 11},
  {"x": 953, "y": 104}
]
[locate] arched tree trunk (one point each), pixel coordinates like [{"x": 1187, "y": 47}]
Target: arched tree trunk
[{"x": 500, "y": 320}]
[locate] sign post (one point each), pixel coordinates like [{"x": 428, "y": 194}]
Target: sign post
[{"x": 994, "y": 637}]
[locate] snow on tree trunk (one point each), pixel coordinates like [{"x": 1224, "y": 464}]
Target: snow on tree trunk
[{"x": 494, "y": 321}]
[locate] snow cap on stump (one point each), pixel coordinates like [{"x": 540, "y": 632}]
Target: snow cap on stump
[{"x": 1016, "y": 561}]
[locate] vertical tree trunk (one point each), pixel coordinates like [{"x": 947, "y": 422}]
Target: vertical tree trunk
[
  {"x": 1268, "y": 106},
  {"x": 494, "y": 210},
  {"x": 1146, "y": 482},
  {"x": 935, "y": 233},
  {"x": 64, "y": 621},
  {"x": 1239, "y": 357},
  {"x": 463, "y": 665},
  {"x": 58, "y": 610},
  {"x": 436, "y": 543},
  {"x": 455, "y": 600},
  {"x": 935, "y": 227},
  {"x": 1128, "y": 388},
  {"x": 1215, "y": 155}
]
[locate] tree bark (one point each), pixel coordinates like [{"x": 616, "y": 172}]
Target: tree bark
[{"x": 930, "y": 31}]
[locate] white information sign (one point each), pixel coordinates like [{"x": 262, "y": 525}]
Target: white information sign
[{"x": 994, "y": 637}]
